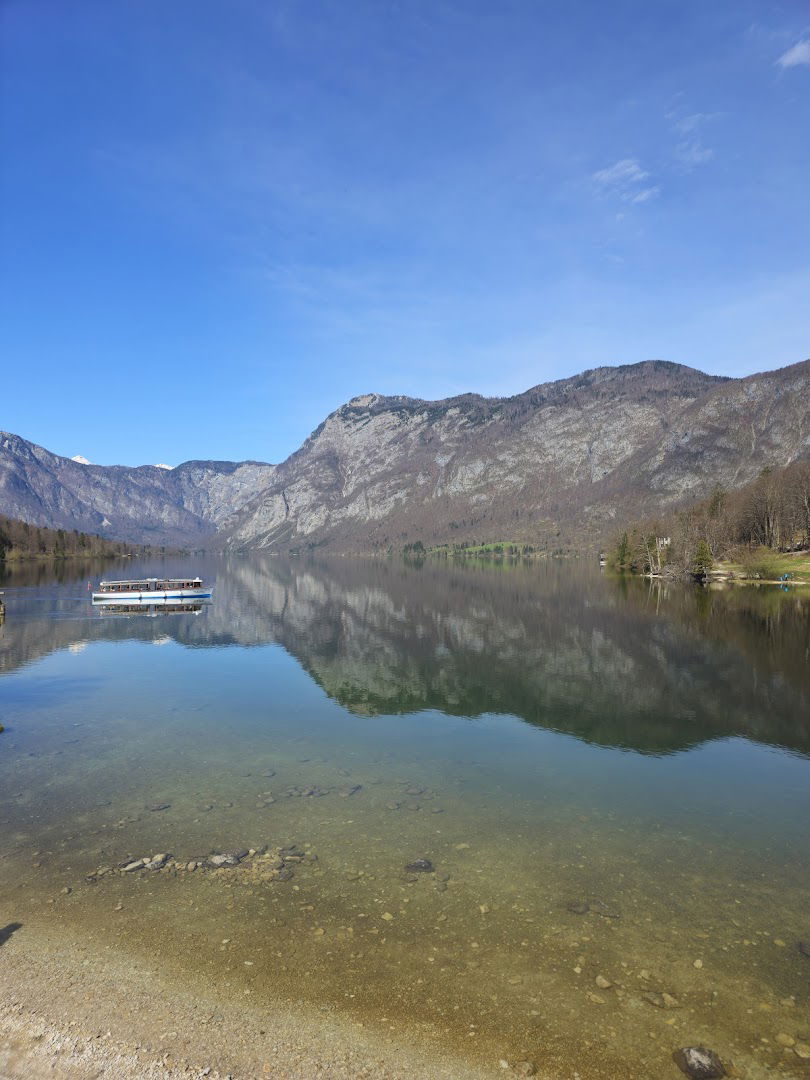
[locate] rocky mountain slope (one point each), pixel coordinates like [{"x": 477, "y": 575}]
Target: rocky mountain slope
[
  {"x": 563, "y": 463},
  {"x": 148, "y": 504}
]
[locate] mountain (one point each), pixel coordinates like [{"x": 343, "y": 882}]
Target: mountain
[
  {"x": 150, "y": 504},
  {"x": 563, "y": 464}
]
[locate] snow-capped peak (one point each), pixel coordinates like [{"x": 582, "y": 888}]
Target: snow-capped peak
[
  {"x": 168, "y": 468},
  {"x": 81, "y": 460}
]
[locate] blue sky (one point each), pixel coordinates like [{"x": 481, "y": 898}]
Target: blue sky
[{"x": 222, "y": 220}]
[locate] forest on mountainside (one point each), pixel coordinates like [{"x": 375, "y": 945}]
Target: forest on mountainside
[
  {"x": 21, "y": 540},
  {"x": 745, "y": 526}
]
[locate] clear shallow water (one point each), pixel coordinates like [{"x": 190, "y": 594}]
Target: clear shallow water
[{"x": 547, "y": 737}]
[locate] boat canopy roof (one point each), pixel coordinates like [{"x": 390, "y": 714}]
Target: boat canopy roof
[{"x": 154, "y": 580}]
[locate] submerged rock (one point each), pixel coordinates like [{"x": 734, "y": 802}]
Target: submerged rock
[
  {"x": 607, "y": 911},
  {"x": 131, "y": 867},
  {"x": 699, "y": 1063},
  {"x": 661, "y": 1000},
  {"x": 420, "y": 866},
  {"x": 804, "y": 948},
  {"x": 578, "y": 907},
  {"x": 524, "y": 1068},
  {"x": 227, "y": 858}
]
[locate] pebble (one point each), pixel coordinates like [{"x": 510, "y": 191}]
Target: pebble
[
  {"x": 524, "y": 1068},
  {"x": 784, "y": 1039},
  {"x": 602, "y": 982},
  {"x": 137, "y": 865},
  {"x": 661, "y": 1000},
  {"x": 160, "y": 806},
  {"x": 387, "y": 916},
  {"x": 802, "y": 1050},
  {"x": 603, "y": 909},
  {"x": 420, "y": 866},
  {"x": 229, "y": 858},
  {"x": 699, "y": 1063},
  {"x": 698, "y": 964}
]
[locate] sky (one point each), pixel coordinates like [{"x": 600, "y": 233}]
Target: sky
[{"x": 220, "y": 221}]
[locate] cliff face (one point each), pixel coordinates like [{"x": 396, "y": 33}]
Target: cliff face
[
  {"x": 143, "y": 505},
  {"x": 560, "y": 464}
]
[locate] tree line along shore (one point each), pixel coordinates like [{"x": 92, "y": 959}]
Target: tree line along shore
[
  {"x": 758, "y": 532},
  {"x": 20, "y": 540}
]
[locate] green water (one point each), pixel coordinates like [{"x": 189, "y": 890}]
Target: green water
[{"x": 609, "y": 779}]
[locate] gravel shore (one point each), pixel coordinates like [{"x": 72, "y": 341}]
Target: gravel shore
[{"x": 67, "y": 1011}]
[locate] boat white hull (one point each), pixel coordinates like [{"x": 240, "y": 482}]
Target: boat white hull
[{"x": 150, "y": 597}]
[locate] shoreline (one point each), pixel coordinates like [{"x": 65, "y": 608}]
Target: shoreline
[{"x": 67, "y": 1010}]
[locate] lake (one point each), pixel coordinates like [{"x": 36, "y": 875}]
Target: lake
[{"x": 527, "y": 811}]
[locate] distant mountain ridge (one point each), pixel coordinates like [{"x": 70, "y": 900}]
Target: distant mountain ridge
[
  {"x": 148, "y": 504},
  {"x": 561, "y": 464}
]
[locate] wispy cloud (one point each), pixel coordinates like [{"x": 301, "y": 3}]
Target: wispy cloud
[
  {"x": 624, "y": 180},
  {"x": 796, "y": 55},
  {"x": 626, "y": 171},
  {"x": 690, "y": 150},
  {"x": 645, "y": 194},
  {"x": 686, "y": 125}
]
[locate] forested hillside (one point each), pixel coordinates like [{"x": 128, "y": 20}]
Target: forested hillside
[
  {"x": 771, "y": 514},
  {"x": 21, "y": 540}
]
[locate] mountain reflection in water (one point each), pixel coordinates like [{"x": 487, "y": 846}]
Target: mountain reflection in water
[{"x": 616, "y": 662}]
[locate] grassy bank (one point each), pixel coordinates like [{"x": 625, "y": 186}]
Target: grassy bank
[{"x": 765, "y": 568}]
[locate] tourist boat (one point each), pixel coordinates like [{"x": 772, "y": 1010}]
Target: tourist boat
[{"x": 150, "y": 589}]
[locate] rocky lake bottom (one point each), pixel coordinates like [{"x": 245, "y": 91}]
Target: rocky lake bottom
[{"x": 548, "y": 823}]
